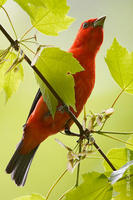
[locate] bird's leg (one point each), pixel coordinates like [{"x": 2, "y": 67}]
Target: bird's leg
[
  {"x": 68, "y": 132},
  {"x": 67, "y": 129}
]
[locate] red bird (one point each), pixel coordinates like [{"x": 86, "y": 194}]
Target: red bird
[{"x": 40, "y": 123}]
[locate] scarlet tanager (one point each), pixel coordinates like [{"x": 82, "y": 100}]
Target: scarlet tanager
[{"x": 40, "y": 123}]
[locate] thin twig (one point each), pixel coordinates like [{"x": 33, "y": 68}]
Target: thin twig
[
  {"x": 103, "y": 124},
  {"x": 94, "y": 157},
  {"x": 78, "y": 167},
  {"x": 53, "y": 186}
]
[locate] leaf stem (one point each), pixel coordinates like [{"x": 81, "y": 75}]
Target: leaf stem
[
  {"x": 28, "y": 48},
  {"x": 32, "y": 42},
  {"x": 10, "y": 21},
  {"x": 117, "y": 97},
  {"x": 119, "y": 140},
  {"x": 113, "y": 132},
  {"x": 65, "y": 193},
  {"x": 26, "y": 33},
  {"x": 27, "y": 39},
  {"x": 33, "y": 26},
  {"x": 53, "y": 186}
]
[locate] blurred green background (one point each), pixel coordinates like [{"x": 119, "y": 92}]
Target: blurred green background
[{"x": 50, "y": 160}]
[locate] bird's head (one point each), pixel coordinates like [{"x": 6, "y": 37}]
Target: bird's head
[{"x": 90, "y": 35}]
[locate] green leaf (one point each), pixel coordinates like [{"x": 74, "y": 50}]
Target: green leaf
[
  {"x": 116, "y": 175},
  {"x": 31, "y": 197},
  {"x": 57, "y": 67},
  {"x": 48, "y": 16},
  {"x": 120, "y": 63},
  {"x": 9, "y": 81},
  {"x": 2, "y": 2},
  {"x": 130, "y": 140},
  {"x": 118, "y": 157},
  {"x": 94, "y": 186}
]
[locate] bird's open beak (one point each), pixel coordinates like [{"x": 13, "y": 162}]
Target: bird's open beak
[{"x": 99, "y": 21}]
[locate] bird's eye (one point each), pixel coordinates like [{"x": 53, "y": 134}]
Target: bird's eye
[{"x": 85, "y": 25}]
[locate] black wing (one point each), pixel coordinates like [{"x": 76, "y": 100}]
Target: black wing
[
  {"x": 37, "y": 97},
  {"x": 19, "y": 164}
]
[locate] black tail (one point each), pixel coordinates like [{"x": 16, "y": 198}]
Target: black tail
[{"x": 19, "y": 165}]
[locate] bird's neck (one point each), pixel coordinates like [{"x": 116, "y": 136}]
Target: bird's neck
[
  {"x": 84, "y": 80},
  {"x": 86, "y": 58}
]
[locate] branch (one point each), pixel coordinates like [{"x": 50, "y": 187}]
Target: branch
[{"x": 104, "y": 156}]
